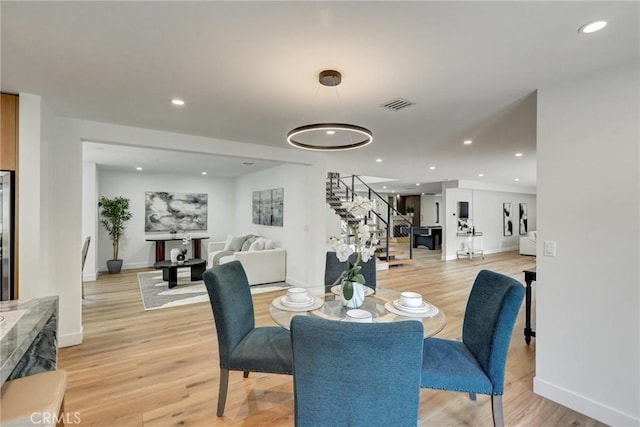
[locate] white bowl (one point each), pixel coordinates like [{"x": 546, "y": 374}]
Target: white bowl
[
  {"x": 297, "y": 295},
  {"x": 411, "y": 299},
  {"x": 359, "y": 316}
]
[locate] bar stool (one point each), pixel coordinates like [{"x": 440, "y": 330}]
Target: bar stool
[{"x": 36, "y": 400}]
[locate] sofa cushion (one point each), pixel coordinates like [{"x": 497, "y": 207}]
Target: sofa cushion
[
  {"x": 247, "y": 243},
  {"x": 257, "y": 245},
  {"x": 269, "y": 244},
  {"x": 235, "y": 243}
]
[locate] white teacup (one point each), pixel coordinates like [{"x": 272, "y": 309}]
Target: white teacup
[
  {"x": 297, "y": 295},
  {"x": 359, "y": 316},
  {"x": 411, "y": 299}
]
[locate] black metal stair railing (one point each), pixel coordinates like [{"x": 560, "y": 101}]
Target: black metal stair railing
[{"x": 338, "y": 191}]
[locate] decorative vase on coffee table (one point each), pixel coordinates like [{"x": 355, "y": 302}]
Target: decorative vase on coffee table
[
  {"x": 357, "y": 297},
  {"x": 174, "y": 255}
]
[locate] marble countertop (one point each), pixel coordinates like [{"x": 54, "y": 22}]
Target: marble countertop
[{"x": 21, "y": 333}]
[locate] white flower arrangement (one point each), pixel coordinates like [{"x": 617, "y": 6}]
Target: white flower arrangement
[{"x": 364, "y": 245}]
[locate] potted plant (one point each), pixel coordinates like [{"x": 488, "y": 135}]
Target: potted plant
[
  {"x": 410, "y": 210},
  {"x": 114, "y": 212}
]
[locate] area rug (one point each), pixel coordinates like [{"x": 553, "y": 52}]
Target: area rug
[{"x": 156, "y": 293}]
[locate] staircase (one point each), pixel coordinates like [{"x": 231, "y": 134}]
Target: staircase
[{"x": 392, "y": 228}]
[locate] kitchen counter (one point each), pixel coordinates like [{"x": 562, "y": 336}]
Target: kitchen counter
[{"x": 28, "y": 337}]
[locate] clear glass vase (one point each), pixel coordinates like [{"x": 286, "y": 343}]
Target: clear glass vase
[{"x": 357, "y": 299}]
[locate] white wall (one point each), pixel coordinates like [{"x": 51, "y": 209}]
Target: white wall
[
  {"x": 135, "y": 251},
  {"x": 49, "y": 213},
  {"x": 485, "y": 214},
  {"x": 303, "y": 234},
  {"x": 89, "y": 218},
  {"x": 587, "y": 355}
]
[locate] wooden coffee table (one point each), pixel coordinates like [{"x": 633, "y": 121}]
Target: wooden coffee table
[{"x": 170, "y": 270}]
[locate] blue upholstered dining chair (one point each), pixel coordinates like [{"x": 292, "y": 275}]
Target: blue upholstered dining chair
[
  {"x": 477, "y": 363},
  {"x": 333, "y": 268},
  {"x": 242, "y": 346},
  {"x": 337, "y": 382}
]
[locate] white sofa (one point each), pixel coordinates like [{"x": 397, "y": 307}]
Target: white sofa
[
  {"x": 261, "y": 266},
  {"x": 528, "y": 243}
]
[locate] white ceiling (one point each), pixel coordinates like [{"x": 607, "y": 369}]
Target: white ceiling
[{"x": 248, "y": 72}]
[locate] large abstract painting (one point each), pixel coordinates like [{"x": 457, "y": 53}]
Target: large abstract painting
[
  {"x": 507, "y": 219},
  {"x": 268, "y": 207},
  {"x": 524, "y": 213},
  {"x": 166, "y": 211}
]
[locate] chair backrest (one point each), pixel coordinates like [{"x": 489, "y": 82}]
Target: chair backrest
[
  {"x": 333, "y": 268},
  {"x": 337, "y": 382},
  {"x": 85, "y": 249},
  {"x": 232, "y": 306},
  {"x": 491, "y": 313}
]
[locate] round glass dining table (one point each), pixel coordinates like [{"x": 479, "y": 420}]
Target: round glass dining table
[{"x": 333, "y": 309}]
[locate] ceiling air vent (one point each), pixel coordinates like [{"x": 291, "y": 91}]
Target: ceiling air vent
[{"x": 397, "y": 104}]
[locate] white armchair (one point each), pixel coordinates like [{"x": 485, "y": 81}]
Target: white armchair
[{"x": 528, "y": 243}]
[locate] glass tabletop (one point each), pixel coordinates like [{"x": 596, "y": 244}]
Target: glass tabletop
[{"x": 333, "y": 309}]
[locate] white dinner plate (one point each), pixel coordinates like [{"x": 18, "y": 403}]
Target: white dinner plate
[
  {"x": 285, "y": 301},
  {"x": 315, "y": 304},
  {"x": 430, "y": 312},
  {"x": 420, "y": 309},
  {"x": 367, "y": 290}
]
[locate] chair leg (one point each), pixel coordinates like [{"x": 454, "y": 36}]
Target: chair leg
[
  {"x": 246, "y": 374},
  {"x": 472, "y": 396},
  {"x": 222, "y": 392},
  {"x": 496, "y": 407}
]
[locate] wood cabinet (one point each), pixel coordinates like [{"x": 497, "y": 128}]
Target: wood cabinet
[
  {"x": 9, "y": 133},
  {"x": 9, "y": 162}
]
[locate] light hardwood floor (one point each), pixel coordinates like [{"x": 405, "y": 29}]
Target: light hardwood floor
[{"x": 160, "y": 368}]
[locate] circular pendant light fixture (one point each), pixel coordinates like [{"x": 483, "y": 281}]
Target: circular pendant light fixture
[{"x": 329, "y": 136}]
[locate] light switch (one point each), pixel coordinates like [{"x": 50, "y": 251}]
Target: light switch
[{"x": 549, "y": 248}]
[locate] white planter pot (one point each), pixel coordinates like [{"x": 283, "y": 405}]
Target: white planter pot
[{"x": 174, "y": 255}]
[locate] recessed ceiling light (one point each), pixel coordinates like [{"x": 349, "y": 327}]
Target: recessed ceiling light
[
  {"x": 467, "y": 142},
  {"x": 432, "y": 168},
  {"x": 378, "y": 160},
  {"x": 418, "y": 184},
  {"x": 393, "y": 191},
  {"x": 518, "y": 154},
  {"x": 480, "y": 174},
  {"x": 331, "y": 132},
  {"x": 592, "y": 27},
  {"x": 517, "y": 179},
  {"x": 203, "y": 173},
  {"x": 176, "y": 101},
  {"x": 384, "y": 188},
  {"x": 138, "y": 168}
]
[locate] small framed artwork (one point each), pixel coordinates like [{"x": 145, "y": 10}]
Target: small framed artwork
[
  {"x": 507, "y": 219},
  {"x": 523, "y": 214}
]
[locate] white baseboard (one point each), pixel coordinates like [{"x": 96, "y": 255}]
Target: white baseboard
[
  {"x": 129, "y": 266},
  {"x": 67, "y": 340},
  {"x": 582, "y": 404},
  {"x": 90, "y": 277}
]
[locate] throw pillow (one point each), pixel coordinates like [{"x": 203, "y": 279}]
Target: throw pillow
[
  {"x": 258, "y": 245},
  {"x": 269, "y": 244},
  {"x": 227, "y": 243},
  {"x": 236, "y": 243},
  {"x": 247, "y": 243}
]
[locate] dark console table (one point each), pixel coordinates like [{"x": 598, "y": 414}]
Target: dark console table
[
  {"x": 170, "y": 270},
  {"x": 529, "y": 277},
  {"x": 161, "y": 239}
]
